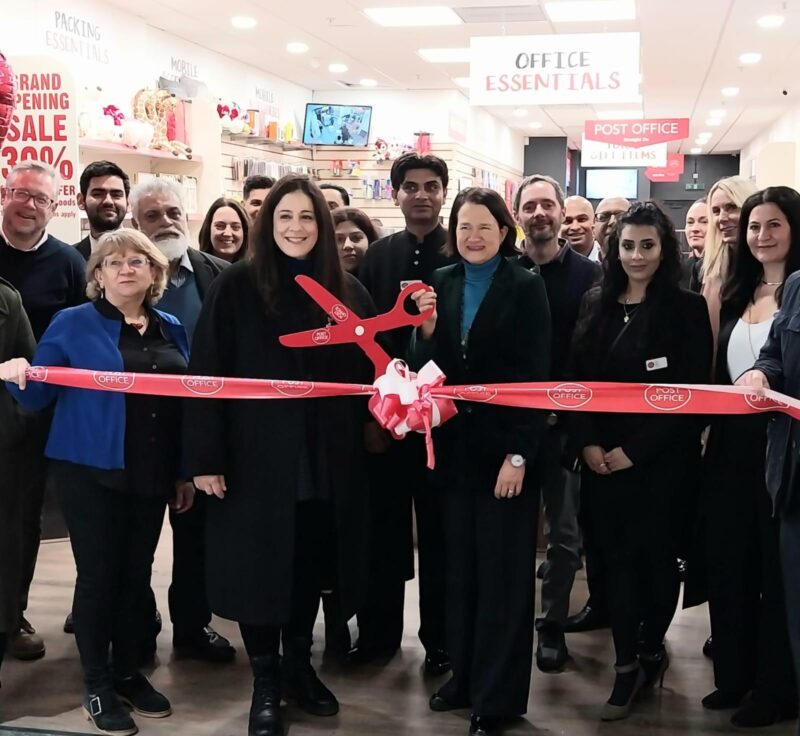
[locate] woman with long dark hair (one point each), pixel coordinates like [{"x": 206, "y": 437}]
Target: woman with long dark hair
[
  {"x": 225, "y": 231},
  {"x": 640, "y": 326},
  {"x": 490, "y": 324},
  {"x": 745, "y": 591},
  {"x": 289, "y": 514},
  {"x": 354, "y": 234}
]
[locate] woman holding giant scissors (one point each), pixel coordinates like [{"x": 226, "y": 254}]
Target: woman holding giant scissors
[{"x": 289, "y": 515}]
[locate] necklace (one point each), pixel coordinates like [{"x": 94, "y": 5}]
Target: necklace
[
  {"x": 627, "y": 317},
  {"x": 138, "y": 325}
]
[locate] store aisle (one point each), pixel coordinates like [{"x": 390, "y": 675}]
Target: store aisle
[{"x": 213, "y": 701}]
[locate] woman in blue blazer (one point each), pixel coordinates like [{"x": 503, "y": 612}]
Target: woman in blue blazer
[{"x": 115, "y": 463}]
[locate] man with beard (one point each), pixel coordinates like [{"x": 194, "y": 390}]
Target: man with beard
[
  {"x": 158, "y": 210},
  {"x": 49, "y": 276},
  {"x": 605, "y": 219},
  {"x": 104, "y": 190},
  {"x": 539, "y": 210},
  {"x": 578, "y": 227},
  {"x": 419, "y": 185}
]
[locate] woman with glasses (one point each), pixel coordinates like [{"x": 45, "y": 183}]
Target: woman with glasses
[
  {"x": 114, "y": 463},
  {"x": 639, "y": 326}
]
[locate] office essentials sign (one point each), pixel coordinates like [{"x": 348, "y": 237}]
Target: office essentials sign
[
  {"x": 637, "y": 133},
  {"x": 558, "y": 69}
]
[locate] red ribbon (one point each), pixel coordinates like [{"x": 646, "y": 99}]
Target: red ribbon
[{"x": 419, "y": 413}]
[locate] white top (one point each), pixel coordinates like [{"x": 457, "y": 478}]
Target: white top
[
  {"x": 38, "y": 245},
  {"x": 745, "y": 345}
]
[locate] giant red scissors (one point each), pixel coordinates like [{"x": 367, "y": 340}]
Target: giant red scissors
[{"x": 351, "y": 327}]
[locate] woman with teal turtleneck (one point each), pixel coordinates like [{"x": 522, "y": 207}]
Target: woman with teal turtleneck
[{"x": 490, "y": 324}]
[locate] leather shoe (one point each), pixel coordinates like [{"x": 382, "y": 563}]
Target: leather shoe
[
  {"x": 483, "y": 725},
  {"x": 587, "y": 619},
  {"x": 708, "y": 648},
  {"x": 108, "y": 715},
  {"x": 437, "y": 662},
  {"x": 723, "y": 700},
  {"x": 757, "y": 714},
  {"x": 542, "y": 570},
  {"x": 205, "y": 644},
  {"x": 551, "y": 650},
  {"x": 447, "y": 698},
  {"x": 69, "y": 624},
  {"x": 26, "y": 644}
]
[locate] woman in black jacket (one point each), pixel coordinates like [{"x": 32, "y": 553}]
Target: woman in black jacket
[
  {"x": 639, "y": 326},
  {"x": 491, "y": 324},
  {"x": 745, "y": 591},
  {"x": 290, "y": 515}
]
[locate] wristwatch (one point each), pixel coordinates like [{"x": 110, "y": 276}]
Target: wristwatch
[{"x": 517, "y": 460}]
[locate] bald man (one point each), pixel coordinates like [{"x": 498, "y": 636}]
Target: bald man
[
  {"x": 578, "y": 227},
  {"x": 605, "y": 219}
]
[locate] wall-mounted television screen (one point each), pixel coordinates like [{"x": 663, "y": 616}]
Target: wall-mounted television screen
[
  {"x": 602, "y": 183},
  {"x": 336, "y": 125}
]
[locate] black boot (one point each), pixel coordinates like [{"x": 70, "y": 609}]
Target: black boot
[
  {"x": 301, "y": 683},
  {"x": 265, "y": 712}
]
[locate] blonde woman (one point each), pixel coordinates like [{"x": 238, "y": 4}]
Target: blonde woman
[
  {"x": 725, "y": 200},
  {"x": 114, "y": 462}
]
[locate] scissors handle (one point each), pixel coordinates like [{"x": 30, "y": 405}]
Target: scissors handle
[{"x": 399, "y": 316}]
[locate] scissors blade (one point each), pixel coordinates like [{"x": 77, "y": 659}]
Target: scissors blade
[
  {"x": 311, "y": 338},
  {"x": 333, "y": 307}
]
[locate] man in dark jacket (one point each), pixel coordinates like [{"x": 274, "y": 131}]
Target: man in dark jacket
[
  {"x": 104, "y": 190},
  {"x": 50, "y": 276},
  {"x": 158, "y": 211},
  {"x": 16, "y": 341}
]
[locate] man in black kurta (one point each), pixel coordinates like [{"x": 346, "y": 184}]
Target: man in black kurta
[{"x": 420, "y": 187}]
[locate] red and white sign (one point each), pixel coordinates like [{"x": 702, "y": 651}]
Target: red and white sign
[
  {"x": 669, "y": 173},
  {"x": 44, "y": 128},
  {"x": 596, "y": 154},
  {"x": 558, "y": 69},
  {"x": 637, "y": 133}
]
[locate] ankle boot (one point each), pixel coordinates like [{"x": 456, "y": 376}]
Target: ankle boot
[
  {"x": 301, "y": 683},
  {"x": 265, "y": 712},
  {"x": 629, "y": 681},
  {"x": 655, "y": 667}
]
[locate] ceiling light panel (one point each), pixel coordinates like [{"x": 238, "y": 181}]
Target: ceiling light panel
[
  {"x": 501, "y": 14},
  {"x": 590, "y": 11},
  {"x": 407, "y": 17}
]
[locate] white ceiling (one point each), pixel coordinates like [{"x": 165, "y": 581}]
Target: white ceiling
[{"x": 690, "y": 50}]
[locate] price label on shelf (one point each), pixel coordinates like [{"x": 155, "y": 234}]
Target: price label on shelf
[{"x": 44, "y": 128}]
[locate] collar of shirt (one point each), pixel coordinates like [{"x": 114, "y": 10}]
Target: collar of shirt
[
  {"x": 526, "y": 261},
  {"x": 594, "y": 254},
  {"x": 92, "y": 243},
  {"x": 435, "y": 238},
  {"x": 28, "y": 250},
  {"x": 185, "y": 267}
]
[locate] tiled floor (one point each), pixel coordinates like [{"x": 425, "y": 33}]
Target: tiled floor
[{"x": 213, "y": 701}]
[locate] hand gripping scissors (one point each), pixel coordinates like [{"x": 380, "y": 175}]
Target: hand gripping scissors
[{"x": 349, "y": 327}]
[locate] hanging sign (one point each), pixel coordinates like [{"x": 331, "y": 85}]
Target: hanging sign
[
  {"x": 671, "y": 173},
  {"x": 44, "y": 128},
  {"x": 569, "y": 69},
  {"x": 637, "y": 133},
  {"x": 598, "y": 154}
]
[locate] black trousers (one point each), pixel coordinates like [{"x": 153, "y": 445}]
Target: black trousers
[
  {"x": 490, "y": 552},
  {"x": 314, "y": 569},
  {"x": 397, "y": 479},
  {"x": 114, "y": 536},
  {"x": 746, "y": 597}
]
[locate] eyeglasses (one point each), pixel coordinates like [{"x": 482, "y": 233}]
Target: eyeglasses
[
  {"x": 136, "y": 263},
  {"x": 606, "y": 216},
  {"x": 23, "y": 196}
]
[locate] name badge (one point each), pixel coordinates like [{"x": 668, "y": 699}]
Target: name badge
[
  {"x": 655, "y": 364},
  {"x": 403, "y": 284}
]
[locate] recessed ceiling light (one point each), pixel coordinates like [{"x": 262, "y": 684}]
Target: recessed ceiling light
[
  {"x": 520, "y": 112},
  {"x": 714, "y": 122},
  {"x": 695, "y": 151},
  {"x": 296, "y": 47},
  {"x": 337, "y": 68},
  {"x": 453, "y": 55},
  {"x": 368, "y": 82},
  {"x": 432, "y": 15},
  {"x": 730, "y": 91},
  {"x": 750, "y": 57},
  {"x": 770, "y": 21},
  {"x": 534, "y": 124},
  {"x": 701, "y": 141},
  {"x": 619, "y": 114},
  {"x": 462, "y": 81},
  {"x": 704, "y": 134},
  {"x": 243, "y": 22},
  {"x": 584, "y": 11},
  {"x": 718, "y": 113}
]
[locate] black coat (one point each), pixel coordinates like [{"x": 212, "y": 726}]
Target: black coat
[
  {"x": 509, "y": 342},
  {"x": 780, "y": 361},
  {"x": 16, "y": 341},
  {"x": 648, "y": 503},
  {"x": 256, "y": 445},
  {"x": 206, "y": 269},
  {"x": 84, "y": 247}
]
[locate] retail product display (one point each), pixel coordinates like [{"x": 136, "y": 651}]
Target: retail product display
[
  {"x": 157, "y": 107},
  {"x": 8, "y": 95}
]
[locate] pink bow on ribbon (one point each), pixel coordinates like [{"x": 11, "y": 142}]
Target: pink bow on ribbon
[
  {"x": 404, "y": 403},
  {"x": 114, "y": 113}
]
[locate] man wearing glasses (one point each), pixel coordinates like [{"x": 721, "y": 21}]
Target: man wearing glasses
[
  {"x": 49, "y": 276},
  {"x": 605, "y": 219}
]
